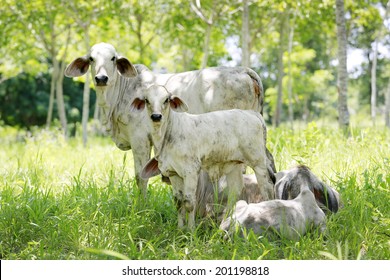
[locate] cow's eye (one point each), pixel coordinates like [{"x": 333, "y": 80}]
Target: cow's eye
[
  {"x": 113, "y": 58},
  {"x": 166, "y": 101},
  {"x": 147, "y": 101},
  {"x": 90, "y": 59}
]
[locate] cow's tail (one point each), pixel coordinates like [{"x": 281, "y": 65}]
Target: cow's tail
[{"x": 258, "y": 88}]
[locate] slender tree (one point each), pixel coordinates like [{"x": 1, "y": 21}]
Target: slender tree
[
  {"x": 374, "y": 68},
  {"x": 245, "y": 34},
  {"x": 387, "y": 105},
  {"x": 342, "y": 81},
  {"x": 282, "y": 31},
  {"x": 210, "y": 17},
  {"x": 289, "y": 85}
]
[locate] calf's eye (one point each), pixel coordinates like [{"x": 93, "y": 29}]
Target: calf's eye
[
  {"x": 113, "y": 58},
  {"x": 91, "y": 59}
]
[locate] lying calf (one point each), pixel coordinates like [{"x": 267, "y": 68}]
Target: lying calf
[
  {"x": 212, "y": 200},
  {"x": 288, "y": 185},
  {"x": 288, "y": 218},
  {"x": 218, "y": 142}
]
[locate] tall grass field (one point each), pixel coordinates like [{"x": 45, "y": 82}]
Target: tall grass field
[{"x": 59, "y": 200}]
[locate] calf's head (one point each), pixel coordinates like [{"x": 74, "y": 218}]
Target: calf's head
[
  {"x": 104, "y": 62},
  {"x": 158, "y": 101}
]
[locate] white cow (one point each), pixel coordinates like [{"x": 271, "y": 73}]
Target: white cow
[
  {"x": 288, "y": 218},
  {"x": 117, "y": 82},
  {"x": 217, "y": 142}
]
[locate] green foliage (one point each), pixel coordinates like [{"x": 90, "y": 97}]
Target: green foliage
[
  {"x": 24, "y": 100},
  {"x": 169, "y": 35},
  {"x": 59, "y": 200}
]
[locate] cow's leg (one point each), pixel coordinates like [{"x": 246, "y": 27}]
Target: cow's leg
[
  {"x": 178, "y": 187},
  {"x": 235, "y": 183},
  {"x": 266, "y": 186},
  {"x": 189, "y": 196},
  {"x": 141, "y": 155}
]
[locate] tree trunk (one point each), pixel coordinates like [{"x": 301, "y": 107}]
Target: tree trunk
[
  {"x": 278, "y": 111},
  {"x": 387, "y": 105},
  {"x": 342, "y": 81},
  {"x": 206, "y": 46},
  {"x": 59, "y": 68},
  {"x": 245, "y": 35},
  {"x": 289, "y": 86},
  {"x": 373, "y": 82},
  {"x": 51, "y": 99},
  {"x": 85, "y": 116},
  {"x": 86, "y": 91},
  {"x": 373, "y": 69}
]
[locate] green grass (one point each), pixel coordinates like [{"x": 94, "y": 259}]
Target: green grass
[{"x": 59, "y": 200}]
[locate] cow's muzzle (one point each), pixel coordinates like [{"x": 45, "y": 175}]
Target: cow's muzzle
[
  {"x": 101, "y": 80},
  {"x": 156, "y": 117}
]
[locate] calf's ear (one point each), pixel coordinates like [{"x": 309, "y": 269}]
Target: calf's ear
[
  {"x": 150, "y": 169},
  {"x": 125, "y": 67},
  {"x": 326, "y": 196},
  {"x": 77, "y": 67},
  {"x": 177, "y": 104},
  {"x": 137, "y": 105}
]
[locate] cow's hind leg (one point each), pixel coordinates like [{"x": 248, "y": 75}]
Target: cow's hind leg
[
  {"x": 266, "y": 187},
  {"x": 234, "y": 185}
]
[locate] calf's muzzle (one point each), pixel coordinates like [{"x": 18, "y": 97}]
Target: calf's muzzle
[
  {"x": 156, "y": 117},
  {"x": 101, "y": 80}
]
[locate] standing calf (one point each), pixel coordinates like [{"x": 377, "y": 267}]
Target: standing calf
[
  {"x": 289, "y": 218},
  {"x": 217, "y": 142}
]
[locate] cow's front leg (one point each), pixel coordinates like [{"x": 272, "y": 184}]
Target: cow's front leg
[
  {"x": 177, "y": 187},
  {"x": 189, "y": 195}
]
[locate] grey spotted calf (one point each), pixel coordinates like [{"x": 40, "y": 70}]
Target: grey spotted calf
[
  {"x": 218, "y": 142},
  {"x": 288, "y": 218}
]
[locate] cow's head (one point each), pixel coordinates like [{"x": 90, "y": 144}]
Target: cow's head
[
  {"x": 104, "y": 62},
  {"x": 158, "y": 101}
]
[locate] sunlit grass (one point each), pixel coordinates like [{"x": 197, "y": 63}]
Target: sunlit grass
[{"x": 59, "y": 200}]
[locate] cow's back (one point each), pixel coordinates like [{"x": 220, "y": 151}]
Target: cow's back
[{"x": 218, "y": 88}]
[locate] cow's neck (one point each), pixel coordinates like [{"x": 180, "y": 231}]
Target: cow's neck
[
  {"x": 107, "y": 98},
  {"x": 160, "y": 135}
]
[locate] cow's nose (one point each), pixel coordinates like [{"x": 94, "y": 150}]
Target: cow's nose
[
  {"x": 101, "y": 80},
  {"x": 156, "y": 117}
]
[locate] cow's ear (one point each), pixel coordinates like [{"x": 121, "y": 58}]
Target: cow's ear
[
  {"x": 324, "y": 194},
  {"x": 77, "y": 67},
  {"x": 177, "y": 104},
  {"x": 125, "y": 67},
  {"x": 150, "y": 169},
  {"x": 137, "y": 105}
]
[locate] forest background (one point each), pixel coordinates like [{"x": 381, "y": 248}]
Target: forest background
[{"x": 291, "y": 44}]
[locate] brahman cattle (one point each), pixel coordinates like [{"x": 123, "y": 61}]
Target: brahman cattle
[{"x": 118, "y": 82}]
